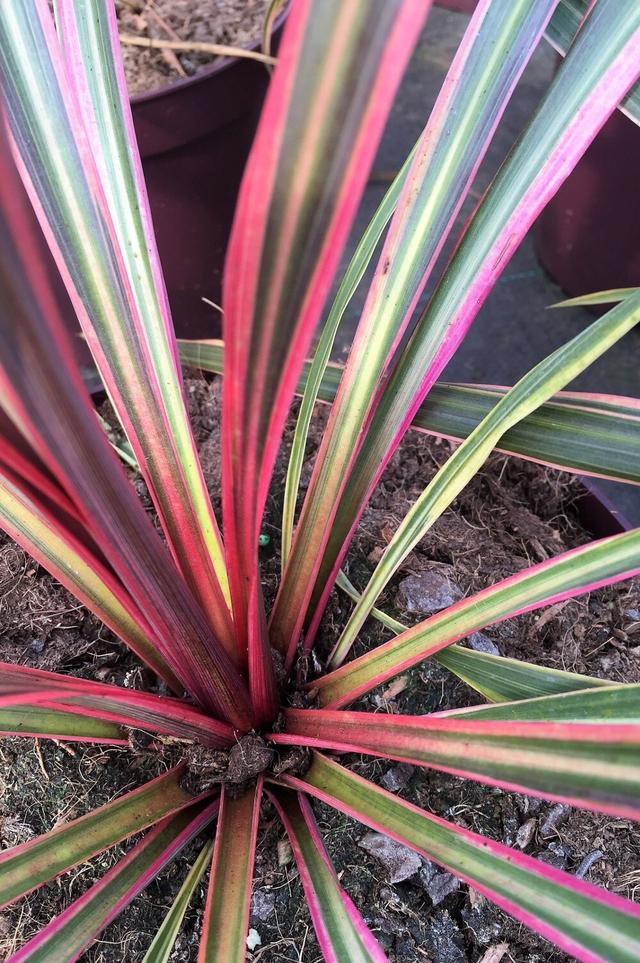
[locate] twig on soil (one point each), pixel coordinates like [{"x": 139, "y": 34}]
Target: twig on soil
[
  {"x": 197, "y": 46},
  {"x": 38, "y": 752},
  {"x": 169, "y": 56}
]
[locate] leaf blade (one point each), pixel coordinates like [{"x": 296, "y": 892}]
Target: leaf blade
[
  {"x": 561, "y": 32},
  {"x": 589, "y": 764},
  {"x": 38, "y": 374},
  {"x": 226, "y": 917},
  {"x": 598, "y": 70},
  {"x": 25, "y": 867},
  {"x": 299, "y": 194},
  {"x": 566, "y": 432},
  {"x": 117, "y": 289},
  {"x": 342, "y": 933},
  {"x": 588, "y": 923},
  {"x": 494, "y": 51},
  {"x": 64, "y": 939},
  {"x": 537, "y": 386},
  {"x": 164, "y": 940},
  {"x": 579, "y": 570}
]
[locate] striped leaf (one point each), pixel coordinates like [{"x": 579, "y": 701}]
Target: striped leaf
[
  {"x": 57, "y": 550},
  {"x": 314, "y": 373},
  {"x": 593, "y": 765},
  {"x": 497, "y": 44},
  {"x": 573, "y": 573},
  {"x": 566, "y": 432},
  {"x": 539, "y": 384},
  {"x": 601, "y": 66},
  {"x": 164, "y": 940},
  {"x": 68, "y": 934},
  {"x": 51, "y": 723},
  {"x": 25, "y": 867},
  {"x": 561, "y": 31},
  {"x": 72, "y": 127},
  {"x": 38, "y": 375},
  {"x": 598, "y": 297},
  {"x": 496, "y": 677},
  {"x": 613, "y": 704},
  {"x": 500, "y": 679},
  {"x": 342, "y": 933},
  {"x": 339, "y": 65},
  {"x": 589, "y": 924},
  {"x": 127, "y": 707},
  {"x": 226, "y": 915}
]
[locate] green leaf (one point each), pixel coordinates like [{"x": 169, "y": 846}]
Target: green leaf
[
  {"x": 45, "y": 537},
  {"x": 164, "y": 940},
  {"x": 226, "y": 916},
  {"x": 496, "y": 677},
  {"x": 27, "y": 866},
  {"x": 314, "y": 374},
  {"x": 34, "y": 720},
  {"x": 613, "y": 704},
  {"x": 587, "y": 923},
  {"x": 578, "y": 432},
  {"x": 561, "y": 32},
  {"x": 573, "y": 573},
  {"x": 136, "y": 350},
  {"x": 68, "y": 934},
  {"x": 613, "y": 295},
  {"x": 602, "y": 64},
  {"x": 497, "y": 44},
  {"x": 591, "y": 761},
  {"x": 547, "y": 377}
]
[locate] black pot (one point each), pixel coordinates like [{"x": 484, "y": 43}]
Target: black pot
[
  {"x": 194, "y": 137},
  {"x": 587, "y": 236},
  {"x": 598, "y": 514}
]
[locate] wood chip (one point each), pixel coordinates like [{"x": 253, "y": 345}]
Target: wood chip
[
  {"x": 495, "y": 953},
  {"x": 285, "y": 854},
  {"x": 397, "y": 686}
]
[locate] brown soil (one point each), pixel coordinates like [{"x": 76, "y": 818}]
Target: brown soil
[
  {"x": 511, "y": 515},
  {"x": 231, "y": 22}
]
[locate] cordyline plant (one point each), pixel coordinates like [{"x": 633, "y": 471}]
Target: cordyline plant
[{"x": 248, "y": 714}]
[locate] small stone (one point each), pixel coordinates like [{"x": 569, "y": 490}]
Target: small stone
[
  {"x": 400, "y": 862},
  {"x": 397, "y": 777},
  {"x": 13, "y": 832},
  {"x": 526, "y": 833},
  {"x": 633, "y": 614},
  {"x": 482, "y": 643},
  {"x": 429, "y": 591},
  {"x": 555, "y": 855},
  {"x": 440, "y": 886},
  {"x": 481, "y": 920},
  {"x": 262, "y": 904},
  {"x": 556, "y": 815},
  {"x": 253, "y": 939},
  {"x": 37, "y": 645}
]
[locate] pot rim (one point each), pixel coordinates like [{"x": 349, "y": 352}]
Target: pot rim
[{"x": 204, "y": 73}]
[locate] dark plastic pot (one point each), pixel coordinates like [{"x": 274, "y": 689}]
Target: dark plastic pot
[
  {"x": 598, "y": 513},
  {"x": 460, "y": 6},
  {"x": 587, "y": 236},
  {"x": 194, "y": 137}
]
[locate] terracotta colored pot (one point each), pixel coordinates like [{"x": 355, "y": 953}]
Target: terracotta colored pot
[{"x": 587, "y": 237}]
